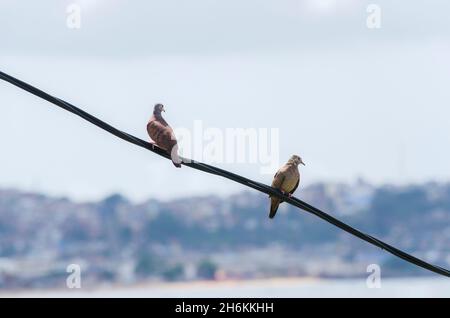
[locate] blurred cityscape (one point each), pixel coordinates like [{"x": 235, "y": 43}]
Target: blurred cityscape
[{"x": 116, "y": 241}]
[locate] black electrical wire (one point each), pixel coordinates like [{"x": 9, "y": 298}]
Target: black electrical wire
[{"x": 226, "y": 174}]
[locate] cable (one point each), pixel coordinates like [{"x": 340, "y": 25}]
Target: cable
[{"x": 225, "y": 174}]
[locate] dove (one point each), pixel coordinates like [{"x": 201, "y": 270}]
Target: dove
[
  {"x": 162, "y": 134},
  {"x": 286, "y": 180}
]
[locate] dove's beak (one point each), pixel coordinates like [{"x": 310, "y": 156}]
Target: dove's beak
[
  {"x": 163, "y": 109},
  {"x": 302, "y": 163}
]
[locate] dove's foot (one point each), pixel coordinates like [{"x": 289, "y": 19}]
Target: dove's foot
[
  {"x": 151, "y": 142},
  {"x": 286, "y": 194}
]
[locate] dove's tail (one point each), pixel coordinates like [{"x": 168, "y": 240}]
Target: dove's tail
[
  {"x": 176, "y": 164},
  {"x": 274, "y": 203},
  {"x": 176, "y": 160}
]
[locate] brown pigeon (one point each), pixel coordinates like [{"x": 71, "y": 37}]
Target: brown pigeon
[
  {"x": 286, "y": 180},
  {"x": 162, "y": 134}
]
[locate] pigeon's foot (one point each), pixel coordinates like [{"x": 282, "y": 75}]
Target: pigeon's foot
[{"x": 286, "y": 193}]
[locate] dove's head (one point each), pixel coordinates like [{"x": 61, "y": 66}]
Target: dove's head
[
  {"x": 158, "y": 109},
  {"x": 296, "y": 160}
]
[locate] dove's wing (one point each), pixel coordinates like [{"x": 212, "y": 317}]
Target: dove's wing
[
  {"x": 278, "y": 179},
  {"x": 295, "y": 187},
  {"x": 162, "y": 134}
]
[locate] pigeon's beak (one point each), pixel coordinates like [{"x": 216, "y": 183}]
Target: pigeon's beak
[
  {"x": 302, "y": 162},
  {"x": 163, "y": 109}
]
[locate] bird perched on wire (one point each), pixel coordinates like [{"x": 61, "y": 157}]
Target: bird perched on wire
[
  {"x": 286, "y": 180},
  {"x": 162, "y": 134}
]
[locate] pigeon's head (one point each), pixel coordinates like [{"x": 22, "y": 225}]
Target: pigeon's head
[
  {"x": 158, "y": 109},
  {"x": 296, "y": 160}
]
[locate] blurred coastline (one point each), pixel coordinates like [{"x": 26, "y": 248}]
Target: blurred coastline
[{"x": 116, "y": 241}]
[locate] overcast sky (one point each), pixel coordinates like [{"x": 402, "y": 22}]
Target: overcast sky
[{"x": 352, "y": 101}]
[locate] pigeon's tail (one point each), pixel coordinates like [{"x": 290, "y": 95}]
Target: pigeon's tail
[
  {"x": 178, "y": 165},
  {"x": 176, "y": 160},
  {"x": 274, "y": 203}
]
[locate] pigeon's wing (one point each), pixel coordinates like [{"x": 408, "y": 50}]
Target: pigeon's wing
[
  {"x": 154, "y": 129},
  {"x": 162, "y": 135},
  {"x": 278, "y": 180},
  {"x": 296, "y": 186}
]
